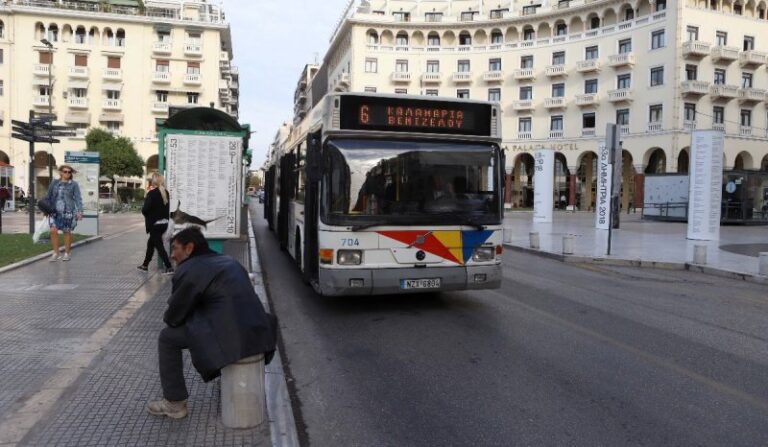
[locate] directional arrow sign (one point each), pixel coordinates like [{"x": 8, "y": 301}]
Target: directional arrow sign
[
  {"x": 68, "y": 128},
  {"x": 23, "y": 130},
  {"x": 46, "y": 116},
  {"x": 39, "y": 121},
  {"x": 32, "y": 139},
  {"x": 61, "y": 133},
  {"x": 23, "y": 137},
  {"x": 21, "y": 124}
]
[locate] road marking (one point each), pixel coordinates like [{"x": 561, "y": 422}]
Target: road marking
[
  {"x": 16, "y": 425},
  {"x": 660, "y": 361}
]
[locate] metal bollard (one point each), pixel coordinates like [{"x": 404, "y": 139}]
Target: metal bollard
[
  {"x": 534, "y": 239},
  {"x": 700, "y": 254},
  {"x": 568, "y": 244},
  {"x": 507, "y": 235},
  {"x": 243, "y": 399},
  {"x": 763, "y": 263}
]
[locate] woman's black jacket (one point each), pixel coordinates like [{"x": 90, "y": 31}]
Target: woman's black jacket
[{"x": 154, "y": 209}]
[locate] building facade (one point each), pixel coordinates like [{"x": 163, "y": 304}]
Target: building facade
[
  {"x": 117, "y": 65},
  {"x": 562, "y": 70}
]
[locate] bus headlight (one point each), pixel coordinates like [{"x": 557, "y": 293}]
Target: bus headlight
[
  {"x": 349, "y": 257},
  {"x": 482, "y": 254}
]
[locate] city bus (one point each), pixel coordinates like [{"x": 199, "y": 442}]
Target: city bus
[{"x": 385, "y": 194}]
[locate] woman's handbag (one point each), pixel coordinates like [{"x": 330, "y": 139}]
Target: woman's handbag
[{"x": 45, "y": 207}]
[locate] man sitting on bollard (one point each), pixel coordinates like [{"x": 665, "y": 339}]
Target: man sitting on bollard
[{"x": 214, "y": 312}]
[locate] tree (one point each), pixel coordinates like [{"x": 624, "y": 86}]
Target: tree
[{"x": 117, "y": 155}]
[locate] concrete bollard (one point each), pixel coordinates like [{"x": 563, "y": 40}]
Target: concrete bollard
[
  {"x": 763, "y": 263},
  {"x": 507, "y": 235},
  {"x": 700, "y": 254},
  {"x": 534, "y": 239},
  {"x": 243, "y": 399},
  {"x": 568, "y": 244}
]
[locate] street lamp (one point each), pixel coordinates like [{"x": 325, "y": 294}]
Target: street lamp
[{"x": 48, "y": 44}]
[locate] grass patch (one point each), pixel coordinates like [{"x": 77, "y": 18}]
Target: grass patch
[{"x": 16, "y": 247}]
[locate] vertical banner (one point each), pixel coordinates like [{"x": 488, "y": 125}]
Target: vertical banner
[
  {"x": 705, "y": 185},
  {"x": 86, "y": 166},
  {"x": 604, "y": 188},
  {"x": 543, "y": 185},
  {"x": 203, "y": 175}
]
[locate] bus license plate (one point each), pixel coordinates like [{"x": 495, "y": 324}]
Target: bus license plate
[{"x": 433, "y": 283}]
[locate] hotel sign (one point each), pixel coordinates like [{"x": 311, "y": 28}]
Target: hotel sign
[{"x": 531, "y": 147}]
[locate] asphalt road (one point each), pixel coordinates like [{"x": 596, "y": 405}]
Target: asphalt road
[{"x": 560, "y": 355}]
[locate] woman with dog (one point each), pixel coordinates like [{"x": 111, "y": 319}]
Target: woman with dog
[{"x": 156, "y": 210}]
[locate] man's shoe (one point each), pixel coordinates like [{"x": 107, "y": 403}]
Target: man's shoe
[
  {"x": 162, "y": 407},
  {"x": 168, "y": 271},
  {"x": 142, "y": 267},
  {"x": 54, "y": 257},
  {"x": 65, "y": 257}
]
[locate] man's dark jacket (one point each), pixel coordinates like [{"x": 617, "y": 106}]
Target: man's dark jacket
[
  {"x": 214, "y": 299},
  {"x": 154, "y": 209}
]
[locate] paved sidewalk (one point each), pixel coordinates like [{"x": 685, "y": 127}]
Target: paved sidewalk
[
  {"x": 79, "y": 361},
  {"x": 641, "y": 240}
]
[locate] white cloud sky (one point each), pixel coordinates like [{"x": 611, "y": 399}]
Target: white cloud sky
[{"x": 272, "y": 41}]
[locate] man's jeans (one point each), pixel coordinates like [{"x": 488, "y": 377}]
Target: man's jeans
[{"x": 169, "y": 346}]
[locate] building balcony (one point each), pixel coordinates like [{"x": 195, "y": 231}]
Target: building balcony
[
  {"x": 587, "y": 99},
  {"x": 77, "y": 103},
  {"x": 164, "y": 47},
  {"x": 401, "y": 76},
  {"x": 588, "y": 65},
  {"x": 751, "y": 95},
  {"x": 621, "y": 59},
  {"x": 689, "y": 125},
  {"x": 493, "y": 76},
  {"x": 745, "y": 131},
  {"x": 555, "y": 70},
  {"x": 112, "y": 74},
  {"x": 696, "y": 49},
  {"x": 724, "y": 54},
  {"x": 462, "y": 76},
  {"x": 432, "y": 77},
  {"x": 41, "y": 69},
  {"x": 588, "y": 132},
  {"x": 112, "y": 104},
  {"x": 161, "y": 77},
  {"x": 524, "y": 135},
  {"x": 555, "y": 134},
  {"x": 523, "y": 104},
  {"x": 523, "y": 73},
  {"x": 160, "y": 107},
  {"x": 554, "y": 103},
  {"x": 694, "y": 87},
  {"x": 718, "y": 126},
  {"x": 344, "y": 80},
  {"x": 655, "y": 127},
  {"x": 193, "y": 49},
  {"x": 725, "y": 92},
  {"x": 78, "y": 72},
  {"x": 752, "y": 58},
  {"x": 40, "y": 101},
  {"x": 619, "y": 95},
  {"x": 624, "y": 129},
  {"x": 193, "y": 79}
]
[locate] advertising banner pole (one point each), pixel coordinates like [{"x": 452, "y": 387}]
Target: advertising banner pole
[{"x": 543, "y": 186}]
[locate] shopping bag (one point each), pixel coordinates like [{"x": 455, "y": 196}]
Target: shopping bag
[{"x": 41, "y": 227}]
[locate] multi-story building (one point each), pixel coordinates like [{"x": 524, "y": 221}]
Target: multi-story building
[
  {"x": 117, "y": 64},
  {"x": 562, "y": 70}
]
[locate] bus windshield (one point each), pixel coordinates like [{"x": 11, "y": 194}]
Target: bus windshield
[{"x": 379, "y": 182}]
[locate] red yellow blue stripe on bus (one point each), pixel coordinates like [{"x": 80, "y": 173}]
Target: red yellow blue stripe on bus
[{"x": 453, "y": 246}]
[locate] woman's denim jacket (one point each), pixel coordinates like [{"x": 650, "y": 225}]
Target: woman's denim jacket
[{"x": 72, "y": 199}]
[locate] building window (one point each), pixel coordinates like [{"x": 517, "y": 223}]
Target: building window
[
  {"x": 193, "y": 68},
  {"x": 465, "y": 39},
  {"x": 373, "y": 38},
  {"x": 402, "y": 16},
  {"x": 401, "y": 66},
  {"x": 749, "y": 43},
  {"x": 661, "y": 5},
  {"x": 192, "y": 98},
  {"x": 588, "y": 120},
  {"x": 526, "y": 93},
  {"x": 371, "y": 65},
  {"x": 622, "y": 117},
  {"x": 113, "y": 62},
  {"x": 79, "y": 92},
  {"x": 629, "y": 14},
  {"x": 497, "y": 37},
  {"x": 746, "y": 80},
  {"x": 689, "y": 112},
  {"x": 558, "y": 90},
  {"x": 433, "y": 40},
  {"x": 463, "y": 66},
  {"x": 43, "y": 90},
  {"x": 161, "y": 95},
  {"x": 431, "y": 92},
  {"x": 462, "y": 94},
  {"x": 718, "y": 115},
  {"x": 558, "y": 58},
  {"x": 378, "y": 12},
  {"x": 498, "y": 13},
  {"x": 494, "y": 94},
  {"x": 737, "y": 9},
  {"x": 162, "y": 66},
  {"x": 112, "y": 126},
  {"x": 658, "y": 39},
  {"x": 401, "y": 91},
  {"x": 433, "y": 66},
  {"x": 556, "y": 122},
  {"x": 746, "y": 118},
  {"x": 655, "y": 113},
  {"x": 468, "y": 16},
  {"x": 693, "y": 33},
  {"x": 624, "y": 81},
  {"x": 691, "y": 72},
  {"x": 401, "y": 40},
  {"x": 524, "y": 125},
  {"x": 526, "y": 61},
  {"x": 657, "y": 76},
  {"x": 164, "y": 36},
  {"x": 721, "y": 38},
  {"x": 591, "y": 53},
  {"x": 433, "y": 17},
  {"x": 494, "y": 65},
  {"x": 590, "y": 86},
  {"x": 625, "y": 46},
  {"x": 370, "y": 89},
  {"x": 1, "y": 55},
  {"x": 112, "y": 94},
  {"x": 561, "y": 29},
  {"x": 45, "y": 57},
  {"x": 528, "y": 34},
  {"x": 2, "y": 88},
  {"x": 719, "y": 76},
  {"x": 528, "y": 10}
]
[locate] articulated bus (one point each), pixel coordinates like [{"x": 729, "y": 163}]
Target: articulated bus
[{"x": 382, "y": 194}]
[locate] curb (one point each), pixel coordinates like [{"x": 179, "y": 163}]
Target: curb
[
  {"x": 36, "y": 258},
  {"x": 572, "y": 259}
]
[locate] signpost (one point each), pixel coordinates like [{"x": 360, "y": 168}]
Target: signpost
[
  {"x": 609, "y": 164},
  {"x": 705, "y": 186},
  {"x": 543, "y": 185}
]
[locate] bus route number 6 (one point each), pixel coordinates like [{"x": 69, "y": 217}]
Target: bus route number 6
[{"x": 350, "y": 242}]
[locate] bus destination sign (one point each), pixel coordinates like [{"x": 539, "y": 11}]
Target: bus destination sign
[{"x": 415, "y": 115}]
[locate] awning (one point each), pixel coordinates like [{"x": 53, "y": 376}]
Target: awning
[
  {"x": 78, "y": 118},
  {"x": 111, "y": 117},
  {"x": 117, "y": 85},
  {"x": 77, "y": 84}
]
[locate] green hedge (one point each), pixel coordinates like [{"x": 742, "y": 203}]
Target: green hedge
[{"x": 126, "y": 194}]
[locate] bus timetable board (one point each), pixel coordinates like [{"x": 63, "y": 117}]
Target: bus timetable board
[{"x": 415, "y": 115}]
